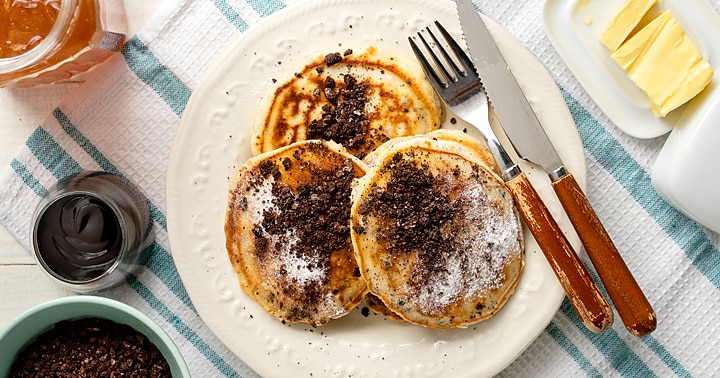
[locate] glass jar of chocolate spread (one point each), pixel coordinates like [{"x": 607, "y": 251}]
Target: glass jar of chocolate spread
[
  {"x": 48, "y": 41},
  {"x": 91, "y": 232}
]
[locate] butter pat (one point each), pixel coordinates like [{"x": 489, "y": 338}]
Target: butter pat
[
  {"x": 664, "y": 63},
  {"x": 623, "y": 24}
]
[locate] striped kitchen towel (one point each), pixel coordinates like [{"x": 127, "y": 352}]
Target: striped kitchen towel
[{"x": 123, "y": 119}]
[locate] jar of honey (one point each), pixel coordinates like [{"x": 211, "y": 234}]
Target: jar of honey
[{"x": 48, "y": 41}]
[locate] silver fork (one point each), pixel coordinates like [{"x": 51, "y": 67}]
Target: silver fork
[{"x": 453, "y": 76}]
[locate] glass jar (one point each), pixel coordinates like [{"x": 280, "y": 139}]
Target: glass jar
[
  {"x": 74, "y": 36},
  {"x": 91, "y": 231}
]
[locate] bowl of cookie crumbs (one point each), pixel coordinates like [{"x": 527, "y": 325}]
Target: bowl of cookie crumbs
[{"x": 87, "y": 336}]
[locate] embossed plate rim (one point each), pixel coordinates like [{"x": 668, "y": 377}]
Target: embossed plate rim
[{"x": 211, "y": 144}]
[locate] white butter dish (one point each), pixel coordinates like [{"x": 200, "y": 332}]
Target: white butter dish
[
  {"x": 686, "y": 170},
  {"x": 574, "y": 27}
]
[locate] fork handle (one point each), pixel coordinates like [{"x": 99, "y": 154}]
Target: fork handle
[
  {"x": 582, "y": 291},
  {"x": 633, "y": 307}
]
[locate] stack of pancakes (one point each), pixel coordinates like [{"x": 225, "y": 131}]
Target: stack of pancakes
[{"x": 422, "y": 226}]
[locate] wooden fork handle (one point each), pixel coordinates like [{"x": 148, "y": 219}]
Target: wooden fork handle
[
  {"x": 582, "y": 291},
  {"x": 632, "y": 306}
]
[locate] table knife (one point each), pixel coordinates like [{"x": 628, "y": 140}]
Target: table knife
[{"x": 528, "y": 138}]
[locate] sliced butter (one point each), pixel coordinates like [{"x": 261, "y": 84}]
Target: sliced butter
[
  {"x": 663, "y": 62},
  {"x": 624, "y": 23}
]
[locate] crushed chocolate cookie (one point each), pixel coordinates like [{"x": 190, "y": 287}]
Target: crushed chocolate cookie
[
  {"x": 329, "y": 82},
  {"x": 90, "y": 347},
  {"x": 330, "y": 95},
  {"x": 346, "y": 122},
  {"x": 318, "y": 213},
  {"x": 332, "y": 58},
  {"x": 348, "y": 52},
  {"x": 419, "y": 209},
  {"x": 349, "y": 81},
  {"x": 268, "y": 168}
]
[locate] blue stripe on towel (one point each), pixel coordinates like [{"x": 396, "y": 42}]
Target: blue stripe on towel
[
  {"x": 159, "y": 262},
  {"x": 50, "y": 154},
  {"x": 666, "y": 357},
  {"x": 27, "y": 178},
  {"x": 571, "y": 349},
  {"x": 150, "y": 70},
  {"x": 264, "y": 7},
  {"x": 230, "y": 14},
  {"x": 614, "y": 348},
  {"x": 608, "y": 152}
]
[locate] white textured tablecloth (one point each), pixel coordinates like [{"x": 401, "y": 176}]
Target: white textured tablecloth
[{"x": 124, "y": 118}]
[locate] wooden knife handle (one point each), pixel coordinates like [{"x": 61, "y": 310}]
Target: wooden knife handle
[
  {"x": 584, "y": 295},
  {"x": 633, "y": 307}
]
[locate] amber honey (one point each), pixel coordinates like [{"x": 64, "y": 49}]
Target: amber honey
[
  {"x": 46, "y": 41},
  {"x": 26, "y": 22}
]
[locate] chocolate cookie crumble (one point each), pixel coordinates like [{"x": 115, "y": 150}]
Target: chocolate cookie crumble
[
  {"x": 415, "y": 199},
  {"x": 90, "y": 347},
  {"x": 308, "y": 223},
  {"x": 421, "y": 213},
  {"x": 319, "y": 210},
  {"x": 344, "y": 120},
  {"x": 332, "y": 58}
]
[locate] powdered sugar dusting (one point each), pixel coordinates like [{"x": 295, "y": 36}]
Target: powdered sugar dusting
[
  {"x": 259, "y": 201},
  {"x": 303, "y": 270},
  {"x": 482, "y": 238}
]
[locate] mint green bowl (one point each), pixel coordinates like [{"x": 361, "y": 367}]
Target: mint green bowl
[{"x": 25, "y": 328}]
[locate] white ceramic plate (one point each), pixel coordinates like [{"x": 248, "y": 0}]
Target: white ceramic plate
[
  {"x": 212, "y": 142},
  {"x": 574, "y": 27}
]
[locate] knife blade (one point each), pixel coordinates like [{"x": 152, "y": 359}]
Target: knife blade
[{"x": 529, "y": 140}]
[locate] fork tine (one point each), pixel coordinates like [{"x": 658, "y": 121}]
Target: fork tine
[
  {"x": 467, "y": 66},
  {"x": 446, "y": 65},
  {"x": 439, "y": 82},
  {"x": 439, "y": 55},
  {"x": 449, "y": 59}
]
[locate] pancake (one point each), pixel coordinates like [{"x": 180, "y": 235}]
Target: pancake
[
  {"x": 359, "y": 99},
  {"x": 378, "y": 307},
  {"x": 287, "y": 232},
  {"x": 466, "y": 145},
  {"x": 436, "y": 233}
]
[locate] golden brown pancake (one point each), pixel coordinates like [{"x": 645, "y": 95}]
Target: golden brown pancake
[
  {"x": 287, "y": 231},
  {"x": 436, "y": 233},
  {"x": 475, "y": 149},
  {"x": 378, "y": 307},
  {"x": 360, "y": 101}
]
